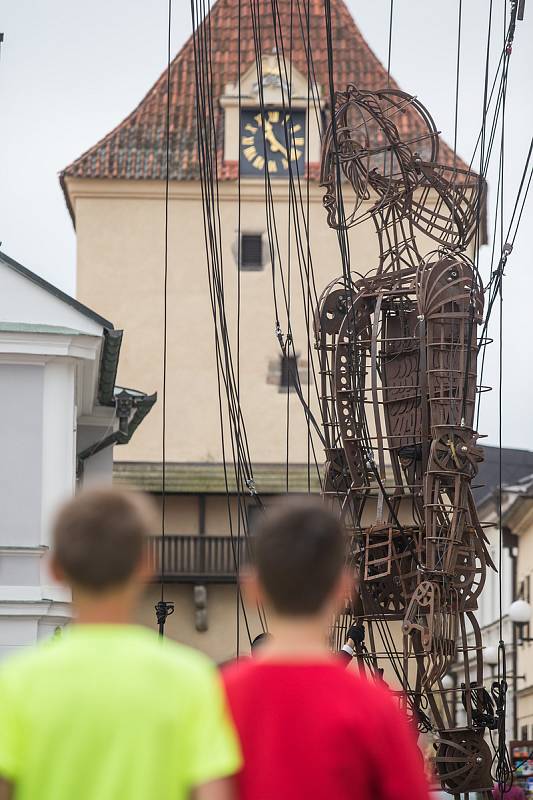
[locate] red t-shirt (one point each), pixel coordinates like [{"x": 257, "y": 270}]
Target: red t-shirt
[{"x": 316, "y": 731}]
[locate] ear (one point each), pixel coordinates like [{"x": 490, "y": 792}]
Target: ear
[
  {"x": 355, "y": 582},
  {"x": 145, "y": 570},
  {"x": 346, "y": 588},
  {"x": 251, "y": 587},
  {"x": 56, "y": 570}
]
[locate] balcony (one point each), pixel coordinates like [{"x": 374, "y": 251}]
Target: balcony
[{"x": 197, "y": 558}]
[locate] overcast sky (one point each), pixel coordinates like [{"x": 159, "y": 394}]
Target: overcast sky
[{"x": 71, "y": 70}]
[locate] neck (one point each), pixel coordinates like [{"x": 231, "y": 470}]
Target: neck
[
  {"x": 109, "y": 609},
  {"x": 297, "y": 637}
]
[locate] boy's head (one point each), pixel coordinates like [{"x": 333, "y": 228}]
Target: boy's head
[
  {"x": 300, "y": 550},
  {"x": 259, "y": 642},
  {"x": 100, "y": 539}
]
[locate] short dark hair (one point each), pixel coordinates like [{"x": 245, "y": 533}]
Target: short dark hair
[
  {"x": 259, "y": 642},
  {"x": 100, "y": 537},
  {"x": 299, "y": 553}
]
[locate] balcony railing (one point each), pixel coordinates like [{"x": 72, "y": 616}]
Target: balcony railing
[{"x": 197, "y": 558}]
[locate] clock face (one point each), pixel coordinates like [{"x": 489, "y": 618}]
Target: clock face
[{"x": 270, "y": 140}]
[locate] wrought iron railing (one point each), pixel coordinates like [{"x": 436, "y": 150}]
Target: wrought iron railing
[{"x": 197, "y": 558}]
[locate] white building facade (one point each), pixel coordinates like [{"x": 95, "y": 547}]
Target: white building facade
[{"x": 60, "y": 415}]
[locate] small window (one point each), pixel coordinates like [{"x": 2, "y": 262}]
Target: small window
[
  {"x": 251, "y": 251},
  {"x": 287, "y": 372},
  {"x": 288, "y": 376}
]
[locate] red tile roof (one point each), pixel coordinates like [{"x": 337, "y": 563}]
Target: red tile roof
[{"x": 135, "y": 149}]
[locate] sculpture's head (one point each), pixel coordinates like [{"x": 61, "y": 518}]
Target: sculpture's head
[{"x": 380, "y": 158}]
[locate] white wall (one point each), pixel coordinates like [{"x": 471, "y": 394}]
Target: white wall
[
  {"x": 37, "y": 432},
  {"x": 97, "y": 469},
  {"x": 21, "y": 435}
]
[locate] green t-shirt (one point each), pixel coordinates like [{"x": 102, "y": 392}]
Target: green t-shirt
[{"x": 110, "y": 712}]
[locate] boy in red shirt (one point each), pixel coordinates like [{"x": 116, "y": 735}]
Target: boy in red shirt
[{"x": 309, "y": 728}]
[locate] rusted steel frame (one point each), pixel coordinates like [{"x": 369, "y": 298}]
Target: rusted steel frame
[
  {"x": 424, "y": 409},
  {"x": 468, "y": 685},
  {"x": 478, "y": 647},
  {"x": 438, "y": 451},
  {"x": 324, "y": 402},
  {"x": 374, "y": 375},
  {"x": 343, "y": 375},
  {"x": 431, "y": 699}
]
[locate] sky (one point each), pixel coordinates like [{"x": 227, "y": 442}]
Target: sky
[{"x": 71, "y": 70}]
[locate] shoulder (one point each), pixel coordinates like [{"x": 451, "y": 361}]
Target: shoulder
[
  {"x": 369, "y": 692},
  {"x": 237, "y": 669},
  {"x": 20, "y": 668},
  {"x": 189, "y": 675},
  {"x": 238, "y": 673},
  {"x": 377, "y": 692},
  {"x": 189, "y": 663}
]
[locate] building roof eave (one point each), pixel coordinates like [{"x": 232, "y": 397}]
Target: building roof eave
[
  {"x": 210, "y": 478},
  {"x": 66, "y": 195}
]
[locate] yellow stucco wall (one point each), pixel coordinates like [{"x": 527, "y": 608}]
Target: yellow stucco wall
[
  {"x": 120, "y": 236},
  {"x": 219, "y": 642},
  {"x": 120, "y": 258}
]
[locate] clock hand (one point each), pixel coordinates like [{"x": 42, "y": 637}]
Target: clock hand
[{"x": 275, "y": 146}]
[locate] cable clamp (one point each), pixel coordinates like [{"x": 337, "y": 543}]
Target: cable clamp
[
  {"x": 250, "y": 483},
  {"x": 369, "y": 459},
  {"x": 163, "y": 609}
]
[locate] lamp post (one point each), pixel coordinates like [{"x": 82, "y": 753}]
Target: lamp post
[
  {"x": 520, "y": 615},
  {"x": 448, "y": 682},
  {"x": 490, "y": 657}
]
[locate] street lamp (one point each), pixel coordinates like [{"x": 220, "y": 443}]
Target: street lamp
[
  {"x": 520, "y": 615},
  {"x": 490, "y": 655},
  {"x": 448, "y": 682}
]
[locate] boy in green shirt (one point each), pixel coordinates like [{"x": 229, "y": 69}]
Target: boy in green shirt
[{"x": 107, "y": 711}]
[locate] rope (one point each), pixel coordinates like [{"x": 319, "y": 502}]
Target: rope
[
  {"x": 391, "y": 12},
  {"x": 238, "y": 598},
  {"x": 459, "y": 27},
  {"x": 228, "y": 369},
  {"x": 163, "y": 609}
]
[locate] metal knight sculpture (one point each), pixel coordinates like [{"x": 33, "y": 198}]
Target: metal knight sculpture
[{"x": 398, "y": 348}]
